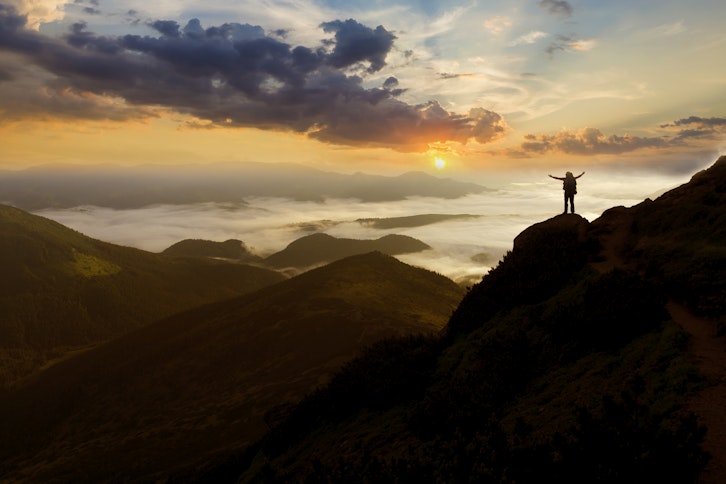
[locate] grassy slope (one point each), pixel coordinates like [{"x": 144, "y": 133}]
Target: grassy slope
[
  {"x": 203, "y": 380},
  {"x": 549, "y": 369},
  {"x": 60, "y": 289}
]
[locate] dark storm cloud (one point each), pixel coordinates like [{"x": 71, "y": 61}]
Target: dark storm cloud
[
  {"x": 168, "y": 28},
  {"x": 355, "y": 43},
  {"x": 235, "y": 75},
  {"x": 557, "y": 7}
]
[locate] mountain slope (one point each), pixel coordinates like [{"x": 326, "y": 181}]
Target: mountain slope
[
  {"x": 203, "y": 380},
  {"x": 562, "y": 364},
  {"x": 59, "y": 288},
  {"x": 321, "y": 248},
  {"x": 679, "y": 239}
]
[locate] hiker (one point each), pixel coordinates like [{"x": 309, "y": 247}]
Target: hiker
[{"x": 569, "y": 185}]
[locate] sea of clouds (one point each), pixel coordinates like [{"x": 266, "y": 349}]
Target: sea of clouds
[{"x": 463, "y": 249}]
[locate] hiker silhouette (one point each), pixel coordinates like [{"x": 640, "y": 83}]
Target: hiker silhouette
[{"x": 569, "y": 185}]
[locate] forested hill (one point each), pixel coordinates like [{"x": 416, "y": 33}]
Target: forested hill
[
  {"x": 562, "y": 364},
  {"x": 60, "y": 289},
  {"x": 209, "y": 379}
]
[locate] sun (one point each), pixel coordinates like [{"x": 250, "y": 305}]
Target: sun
[{"x": 439, "y": 163}]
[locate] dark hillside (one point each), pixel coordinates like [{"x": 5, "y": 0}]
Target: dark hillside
[
  {"x": 545, "y": 256},
  {"x": 229, "y": 249},
  {"x": 61, "y": 289},
  {"x": 681, "y": 239},
  {"x": 322, "y": 248},
  {"x": 207, "y": 380},
  {"x": 562, "y": 365}
]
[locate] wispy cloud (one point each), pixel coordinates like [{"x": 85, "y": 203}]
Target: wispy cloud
[
  {"x": 529, "y": 38},
  {"x": 664, "y": 30},
  {"x": 569, "y": 43},
  {"x": 583, "y": 45},
  {"x": 497, "y": 25}
]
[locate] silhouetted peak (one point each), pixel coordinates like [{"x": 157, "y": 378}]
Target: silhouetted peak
[
  {"x": 229, "y": 249},
  {"x": 564, "y": 224},
  {"x": 317, "y": 238}
]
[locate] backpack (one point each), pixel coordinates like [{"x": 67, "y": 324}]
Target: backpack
[{"x": 570, "y": 185}]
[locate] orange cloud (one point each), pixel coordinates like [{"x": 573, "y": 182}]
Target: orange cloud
[{"x": 588, "y": 141}]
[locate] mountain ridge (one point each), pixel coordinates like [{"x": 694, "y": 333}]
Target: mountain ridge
[
  {"x": 61, "y": 289},
  {"x": 134, "y": 187},
  {"x": 209, "y": 376}
]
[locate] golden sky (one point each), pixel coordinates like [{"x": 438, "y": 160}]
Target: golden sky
[{"x": 364, "y": 86}]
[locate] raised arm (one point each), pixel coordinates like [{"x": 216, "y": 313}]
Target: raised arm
[
  {"x": 578, "y": 176},
  {"x": 556, "y": 177}
]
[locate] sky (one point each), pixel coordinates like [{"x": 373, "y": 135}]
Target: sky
[{"x": 466, "y": 87}]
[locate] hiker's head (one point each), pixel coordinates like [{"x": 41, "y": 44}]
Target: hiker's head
[{"x": 569, "y": 174}]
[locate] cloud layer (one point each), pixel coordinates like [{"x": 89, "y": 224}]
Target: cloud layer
[
  {"x": 267, "y": 225},
  {"x": 234, "y": 75}
]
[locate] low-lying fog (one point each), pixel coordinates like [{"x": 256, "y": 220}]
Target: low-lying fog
[{"x": 464, "y": 249}]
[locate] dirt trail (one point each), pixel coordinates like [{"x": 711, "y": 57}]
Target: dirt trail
[
  {"x": 709, "y": 404},
  {"x": 707, "y": 347}
]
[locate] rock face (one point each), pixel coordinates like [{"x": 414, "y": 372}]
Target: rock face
[{"x": 564, "y": 225}]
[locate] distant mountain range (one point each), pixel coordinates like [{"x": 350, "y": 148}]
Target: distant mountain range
[
  {"x": 301, "y": 254},
  {"x": 566, "y": 363},
  {"x": 121, "y": 187},
  {"x": 412, "y": 220}
]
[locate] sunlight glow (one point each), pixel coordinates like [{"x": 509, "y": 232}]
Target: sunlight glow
[{"x": 439, "y": 163}]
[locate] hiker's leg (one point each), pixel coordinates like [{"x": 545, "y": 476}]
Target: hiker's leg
[
  {"x": 572, "y": 203},
  {"x": 565, "y": 203}
]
